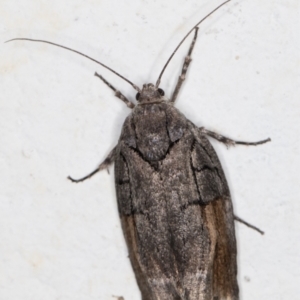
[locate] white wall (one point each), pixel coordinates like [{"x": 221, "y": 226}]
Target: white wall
[{"x": 63, "y": 241}]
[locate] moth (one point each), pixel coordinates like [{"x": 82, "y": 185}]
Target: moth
[{"x": 173, "y": 198}]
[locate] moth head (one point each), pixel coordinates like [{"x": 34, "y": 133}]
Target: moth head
[{"x": 150, "y": 93}]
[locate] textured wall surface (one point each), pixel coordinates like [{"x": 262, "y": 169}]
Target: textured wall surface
[{"x": 63, "y": 241}]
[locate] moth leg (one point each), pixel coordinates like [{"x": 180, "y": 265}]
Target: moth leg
[
  {"x": 185, "y": 66},
  {"x": 104, "y": 165},
  {"x": 229, "y": 142},
  {"x": 119, "y": 297},
  {"x": 117, "y": 93},
  {"x": 236, "y": 218}
]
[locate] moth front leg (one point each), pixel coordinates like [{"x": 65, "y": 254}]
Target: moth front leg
[
  {"x": 104, "y": 165},
  {"x": 118, "y": 94},
  {"x": 229, "y": 142},
  {"x": 185, "y": 67}
]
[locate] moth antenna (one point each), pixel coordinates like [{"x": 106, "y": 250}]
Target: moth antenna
[
  {"x": 84, "y": 55},
  {"x": 165, "y": 66}
]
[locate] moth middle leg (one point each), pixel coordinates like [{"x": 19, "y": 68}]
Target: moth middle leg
[
  {"x": 104, "y": 165},
  {"x": 185, "y": 66},
  {"x": 230, "y": 142}
]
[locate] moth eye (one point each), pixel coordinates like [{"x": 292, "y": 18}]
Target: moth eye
[
  {"x": 137, "y": 96},
  {"x": 161, "y": 92}
]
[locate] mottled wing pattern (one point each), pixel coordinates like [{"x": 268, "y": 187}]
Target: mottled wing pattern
[
  {"x": 176, "y": 214},
  {"x": 225, "y": 267}
]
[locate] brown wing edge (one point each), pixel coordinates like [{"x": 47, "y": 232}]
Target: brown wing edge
[
  {"x": 219, "y": 213},
  {"x": 127, "y": 221}
]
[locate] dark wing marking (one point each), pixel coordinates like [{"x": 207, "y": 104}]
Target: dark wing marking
[
  {"x": 124, "y": 197},
  {"x": 210, "y": 183},
  {"x": 213, "y": 186},
  {"x": 123, "y": 188}
]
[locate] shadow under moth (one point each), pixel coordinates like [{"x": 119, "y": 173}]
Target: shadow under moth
[{"x": 173, "y": 198}]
